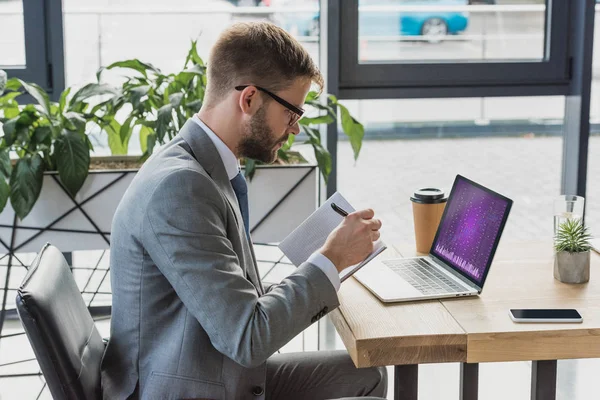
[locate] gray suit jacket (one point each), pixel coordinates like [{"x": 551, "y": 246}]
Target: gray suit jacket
[{"x": 190, "y": 317}]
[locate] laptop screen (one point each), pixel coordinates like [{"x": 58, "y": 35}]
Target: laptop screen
[{"x": 470, "y": 228}]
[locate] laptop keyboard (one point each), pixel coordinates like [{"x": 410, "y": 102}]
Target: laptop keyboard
[{"x": 424, "y": 276}]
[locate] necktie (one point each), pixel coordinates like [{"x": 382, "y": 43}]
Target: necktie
[{"x": 240, "y": 187}]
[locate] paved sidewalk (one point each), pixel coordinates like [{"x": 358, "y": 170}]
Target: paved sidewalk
[{"x": 527, "y": 170}]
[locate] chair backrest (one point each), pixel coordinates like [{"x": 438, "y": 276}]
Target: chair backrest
[{"x": 60, "y": 328}]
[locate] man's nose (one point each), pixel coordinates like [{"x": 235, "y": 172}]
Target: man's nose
[{"x": 294, "y": 129}]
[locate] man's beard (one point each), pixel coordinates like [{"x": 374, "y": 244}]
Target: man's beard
[{"x": 258, "y": 141}]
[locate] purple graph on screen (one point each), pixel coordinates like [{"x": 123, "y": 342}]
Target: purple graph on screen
[{"x": 469, "y": 229}]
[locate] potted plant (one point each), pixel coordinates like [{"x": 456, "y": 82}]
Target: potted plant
[
  {"x": 48, "y": 146},
  {"x": 156, "y": 105},
  {"x": 572, "y": 245}
]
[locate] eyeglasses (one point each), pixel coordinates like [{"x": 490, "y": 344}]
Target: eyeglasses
[{"x": 295, "y": 112}]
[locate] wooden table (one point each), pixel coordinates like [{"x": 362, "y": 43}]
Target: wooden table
[{"x": 476, "y": 329}]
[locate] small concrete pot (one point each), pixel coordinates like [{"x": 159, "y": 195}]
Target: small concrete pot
[{"x": 572, "y": 267}]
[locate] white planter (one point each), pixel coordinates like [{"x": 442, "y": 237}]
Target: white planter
[
  {"x": 71, "y": 225},
  {"x": 280, "y": 198}
]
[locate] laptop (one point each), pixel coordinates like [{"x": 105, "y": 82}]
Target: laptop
[{"x": 460, "y": 256}]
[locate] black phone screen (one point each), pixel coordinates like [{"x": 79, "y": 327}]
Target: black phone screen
[{"x": 546, "y": 314}]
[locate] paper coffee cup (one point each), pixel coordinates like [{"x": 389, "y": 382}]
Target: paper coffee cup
[{"x": 428, "y": 206}]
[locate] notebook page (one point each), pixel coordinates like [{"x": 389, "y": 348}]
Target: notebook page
[
  {"x": 299, "y": 245},
  {"x": 312, "y": 233}
]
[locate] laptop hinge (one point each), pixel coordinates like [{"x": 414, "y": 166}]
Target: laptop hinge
[{"x": 451, "y": 270}]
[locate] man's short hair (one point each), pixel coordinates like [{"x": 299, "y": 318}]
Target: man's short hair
[{"x": 260, "y": 54}]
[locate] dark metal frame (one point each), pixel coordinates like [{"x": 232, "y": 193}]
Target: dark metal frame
[
  {"x": 543, "y": 381},
  {"x": 375, "y": 80},
  {"x": 44, "y": 53}
]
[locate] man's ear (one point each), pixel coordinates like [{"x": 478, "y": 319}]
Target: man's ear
[{"x": 249, "y": 100}]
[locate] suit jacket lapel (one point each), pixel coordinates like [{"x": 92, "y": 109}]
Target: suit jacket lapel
[{"x": 205, "y": 152}]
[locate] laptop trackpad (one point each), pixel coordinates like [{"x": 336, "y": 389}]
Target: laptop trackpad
[{"x": 385, "y": 282}]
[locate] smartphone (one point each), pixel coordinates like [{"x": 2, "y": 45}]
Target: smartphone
[{"x": 545, "y": 315}]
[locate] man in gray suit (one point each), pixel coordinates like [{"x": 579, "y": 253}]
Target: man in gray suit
[{"x": 191, "y": 318}]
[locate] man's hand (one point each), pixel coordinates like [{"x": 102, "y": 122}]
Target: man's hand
[{"x": 352, "y": 241}]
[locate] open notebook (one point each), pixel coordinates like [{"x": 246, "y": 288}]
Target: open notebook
[{"x": 313, "y": 232}]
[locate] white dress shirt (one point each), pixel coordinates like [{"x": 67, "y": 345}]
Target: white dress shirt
[{"x": 232, "y": 166}]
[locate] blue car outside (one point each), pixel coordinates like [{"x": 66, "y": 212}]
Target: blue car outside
[{"x": 394, "y": 23}]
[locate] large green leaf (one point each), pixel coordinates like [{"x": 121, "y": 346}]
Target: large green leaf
[
  {"x": 137, "y": 93},
  {"x": 10, "y": 130},
  {"x": 91, "y": 90},
  {"x": 164, "y": 117},
  {"x": 73, "y": 160},
  {"x": 4, "y": 193},
  {"x": 136, "y": 65},
  {"x": 126, "y": 131},
  {"x": 38, "y": 94},
  {"x": 113, "y": 130},
  {"x": 26, "y": 182},
  {"x": 147, "y": 139},
  {"x": 42, "y": 135},
  {"x": 353, "y": 129},
  {"x": 5, "y": 166},
  {"x": 321, "y": 154}
]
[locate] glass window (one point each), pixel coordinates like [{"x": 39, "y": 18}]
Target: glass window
[
  {"x": 100, "y": 33},
  {"x": 418, "y": 30},
  {"x": 511, "y": 145},
  {"x": 12, "y": 34}
]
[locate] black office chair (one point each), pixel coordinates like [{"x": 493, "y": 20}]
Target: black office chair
[{"x": 60, "y": 328}]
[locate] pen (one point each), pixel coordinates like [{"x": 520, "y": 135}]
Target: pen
[{"x": 339, "y": 210}]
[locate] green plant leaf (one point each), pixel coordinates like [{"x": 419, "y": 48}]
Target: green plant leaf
[
  {"x": 164, "y": 118},
  {"x": 175, "y": 99},
  {"x": 38, "y": 94},
  {"x": 10, "y": 129},
  {"x": 4, "y": 193},
  {"x": 137, "y": 93},
  {"x": 126, "y": 131},
  {"x": 5, "y": 165},
  {"x": 91, "y": 90},
  {"x": 311, "y": 96},
  {"x": 193, "y": 55},
  {"x": 42, "y": 135},
  {"x": 63, "y": 100},
  {"x": 145, "y": 134},
  {"x": 353, "y": 129},
  {"x": 8, "y": 98},
  {"x": 136, "y": 65},
  {"x": 75, "y": 122},
  {"x": 11, "y": 111},
  {"x": 26, "y": 182},
  {"x": 72, "y": 160},
  {"x": 322, "y": 119},
  {"x": 249, "y": 168},
  {"x": 321, "y": 154},
  {"x": 113, "y": 130},
  {"x": 13, "y": 84}
]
